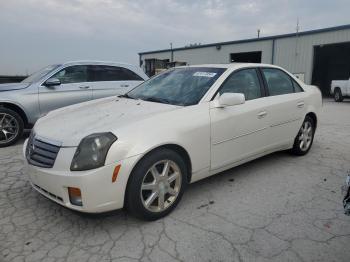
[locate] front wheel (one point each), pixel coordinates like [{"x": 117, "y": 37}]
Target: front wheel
[
  {"x": 11, "y": 127},
  {"x": 305, "y": 137},
  {"x": 156, "y": 185}
]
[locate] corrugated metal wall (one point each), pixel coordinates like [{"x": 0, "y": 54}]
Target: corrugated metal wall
[
  {"x": 296, "y": 53},
  {"x": 293, "y": 53},
  {"x": 211, "y": 55}
]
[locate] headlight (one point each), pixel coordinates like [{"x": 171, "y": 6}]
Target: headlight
[{"x": 92, "y": 151}]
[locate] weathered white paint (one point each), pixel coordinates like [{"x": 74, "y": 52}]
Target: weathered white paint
[{"x": 215, "y": 138}]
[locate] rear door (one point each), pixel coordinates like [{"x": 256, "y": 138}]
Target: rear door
[
  {"x": 109, "y": 80},
  {"x": 74, "y": 88},
  {"x": 286, "y": 106}
]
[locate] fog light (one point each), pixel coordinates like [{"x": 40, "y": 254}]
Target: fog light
[{"x": 75, "y": 196}]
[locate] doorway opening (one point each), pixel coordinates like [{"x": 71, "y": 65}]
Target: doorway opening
[
  {"x": 246, "y": 57},
  {"x": 331, "y": 62}
]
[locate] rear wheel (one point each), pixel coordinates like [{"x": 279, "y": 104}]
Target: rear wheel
[
  {"x": 11, "y": 127},
  {"x": 338, "y": 96},
  {"x": 305, "y": 137},
  {"x": 156, "y": 185}
]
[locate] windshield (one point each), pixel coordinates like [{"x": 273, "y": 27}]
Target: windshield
[
  {"x": 39, "y": 74},
  {"x": 179, "y": 86}
]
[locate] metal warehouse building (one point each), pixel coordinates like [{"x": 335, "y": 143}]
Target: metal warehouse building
[{"x": 316, "y": 57}]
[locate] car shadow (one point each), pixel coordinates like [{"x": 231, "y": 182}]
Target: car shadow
[
  {"x": 226, "y": 176},
  {"x": 235, "y": 171}
]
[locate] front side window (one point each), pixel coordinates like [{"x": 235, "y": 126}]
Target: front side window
[
  {"x": 180, "y": 86},
  {"x": 113, "y": 73},
  {"x": 245, "y": 81},
  {"x": 278, "y": 82},
  {"x": 72, "y": 74}
]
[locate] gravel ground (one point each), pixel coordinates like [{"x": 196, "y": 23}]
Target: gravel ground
[{"x": 277, "y": 208}]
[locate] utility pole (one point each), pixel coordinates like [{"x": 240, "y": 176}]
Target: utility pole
[
  {"x": 258, "y": 33},
  {"x": 298, "y": 27},
  {"x": 297, "y": 37},
  {"x": 172, "y": 53}
]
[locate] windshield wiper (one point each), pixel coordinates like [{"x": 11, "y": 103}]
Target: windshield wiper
[
  {"x": 126, "y": 96},
  {"x": 157, "y": 100}
]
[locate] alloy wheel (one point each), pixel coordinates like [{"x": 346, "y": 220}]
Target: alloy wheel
[
  {"x": 161, "y": 186},
  {"x": 9, "y": 128},
  {"x": 305, "y": 136}
]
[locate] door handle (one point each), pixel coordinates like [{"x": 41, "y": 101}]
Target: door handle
[
  {"x": 124, "y": 85},
  {"x": 84, "y": 87},
  {"x": 262, "y": 114},
  {"x": 300, "y": 104}
]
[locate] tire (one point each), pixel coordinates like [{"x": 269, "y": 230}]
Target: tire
[
  {"x": 338, "y": 96},
  {"x": 144, "y": 191},
  {"x": 305, "y": 137},
  {"x": 11, "y": 127}
]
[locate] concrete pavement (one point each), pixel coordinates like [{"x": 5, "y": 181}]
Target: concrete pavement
[{"x": 277, "y": 208}]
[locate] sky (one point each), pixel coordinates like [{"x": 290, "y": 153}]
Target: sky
[{"x": 35, "y": 33}]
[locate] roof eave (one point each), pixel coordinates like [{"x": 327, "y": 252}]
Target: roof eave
[{"x": 309, "y": 32}]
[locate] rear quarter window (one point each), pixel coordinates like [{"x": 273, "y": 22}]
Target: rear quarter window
[{"x": 297, "y": 87}]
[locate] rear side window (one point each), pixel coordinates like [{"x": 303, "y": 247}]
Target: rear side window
[
  {"x": 278, "y": 82},
  {"x": 130, "y": 75},
  {"x": 112, "y": 73},
  {"x": 297, "y": 87},
  {"x": 244, "y": 81}
]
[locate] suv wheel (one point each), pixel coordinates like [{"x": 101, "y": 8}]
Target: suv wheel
[
  {"x": 156, "y": 185},
  {"x": 338, "y": 96},
  {"x": 11, "y": 127}
]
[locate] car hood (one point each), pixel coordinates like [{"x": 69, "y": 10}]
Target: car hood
[
  {"x": 69, "y": 125},
  {"x": 13, "y": 86}
]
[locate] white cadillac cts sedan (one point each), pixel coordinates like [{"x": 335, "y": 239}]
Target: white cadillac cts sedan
[{"x": 140, "y": 150}]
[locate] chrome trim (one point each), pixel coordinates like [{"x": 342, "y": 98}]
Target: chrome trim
[
  {"x": 245, "y": 134},
  {"x": 286, "y": 122},
  {"x": 41, "y": 153},
  {"x": 49, "y": 141}
]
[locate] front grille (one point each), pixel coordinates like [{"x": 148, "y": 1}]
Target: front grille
[
  {"x": 48, "y": 193},
  {"x": 41, "y": 153}
]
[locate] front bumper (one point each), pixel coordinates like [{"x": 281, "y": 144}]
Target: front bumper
[{"x": 99, "y": 193}]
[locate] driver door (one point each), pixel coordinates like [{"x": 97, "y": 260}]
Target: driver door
[
  {"x": 74, "y": 88},
  {"x": 240, "y": 131}
]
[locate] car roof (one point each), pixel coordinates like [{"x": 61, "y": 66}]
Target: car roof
[
  {"x": 95, "y": 62},
  {"x": 231, "y": 65},
  {"x": 132, "y": 67}
]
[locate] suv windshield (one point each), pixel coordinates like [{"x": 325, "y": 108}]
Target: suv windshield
[
  {"x": 180, "y": 86},
  {"x": 39, "y": 74}
]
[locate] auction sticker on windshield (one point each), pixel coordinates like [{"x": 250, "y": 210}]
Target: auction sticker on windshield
[{"x": 204, "y": 74}]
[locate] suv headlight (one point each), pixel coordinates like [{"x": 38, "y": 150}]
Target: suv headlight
[{"x": 92, "y": 151}]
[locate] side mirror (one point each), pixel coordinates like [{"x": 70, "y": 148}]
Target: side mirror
[
  {"x": 52, "y": 82},
  {"x": 229, "y": 99}
]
